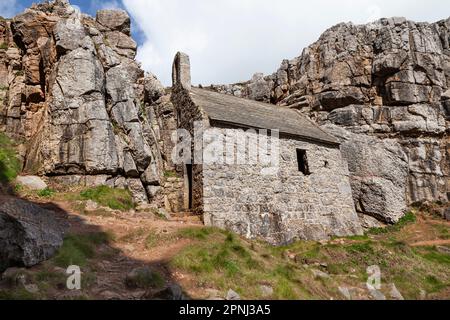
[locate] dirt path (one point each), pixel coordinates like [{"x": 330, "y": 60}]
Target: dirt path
[
  {"x": 129, "y": 249},
  {"x": 431, "y": 243}
]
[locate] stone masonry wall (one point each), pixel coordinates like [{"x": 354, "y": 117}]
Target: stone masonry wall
[
  {"x": 187, "y": 113},
  {"x": 286, "y": 206}
]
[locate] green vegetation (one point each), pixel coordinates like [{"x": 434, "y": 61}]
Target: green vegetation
[
  {"x": 116, "y": 199},
  {"x": 170, "y": 174},
  {"x": 77, "y": 249},
  {"x": 154, "y": 238},
  {"x": 9, "y": 163},
  {"x": 3, "y": 46},
  {"x": 20, "y": 73},
  {"x": 433, "y": 255},
  {"x": 197, "y": 233},
  {"x": 221, "y": 260},
  {"x": 409, "y": 218},
  {"x": 46, "y": 193}
]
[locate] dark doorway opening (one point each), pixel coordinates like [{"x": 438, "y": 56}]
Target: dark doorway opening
[
  {"x": 302, "y": 159},
  {"x": 189, "y": 182}
]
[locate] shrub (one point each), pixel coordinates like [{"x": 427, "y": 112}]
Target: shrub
[
  {"x": 9, "y": 163},
  {"x": 117, "y": 199}
]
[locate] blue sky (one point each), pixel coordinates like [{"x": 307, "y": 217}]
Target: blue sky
[
  {"x": 229, "y": 40},
  {"x": 87, "y": 6}
]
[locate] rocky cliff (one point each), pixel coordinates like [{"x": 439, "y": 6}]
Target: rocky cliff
[
  {"x": 85, "y": 113},
  {"x": 383, "y": 89},
  {"x": 72, "y": 93}
]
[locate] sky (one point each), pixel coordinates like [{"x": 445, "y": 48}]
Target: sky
[{"x": 230, "y": 40}]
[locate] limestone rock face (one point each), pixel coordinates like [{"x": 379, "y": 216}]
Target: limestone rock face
[
  {"x": 71, "y": 90},
  {"x": 115, "y": 20},
  {"x": 383, "y": 89},
  {"x": 28, "y": 234}
]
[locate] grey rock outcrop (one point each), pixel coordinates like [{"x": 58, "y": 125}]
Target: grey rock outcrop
[
  {"x": 31, "y": 182},
  {"x": 28, "y": 233},
  {"x": 383, "y": 89},
  {"x": 74, "y": 94}
]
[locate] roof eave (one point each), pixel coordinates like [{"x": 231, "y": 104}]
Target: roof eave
[{"x": 333, "y": 143}]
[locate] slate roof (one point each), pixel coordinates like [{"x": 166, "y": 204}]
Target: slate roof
[{"x": 240, "y": 112}]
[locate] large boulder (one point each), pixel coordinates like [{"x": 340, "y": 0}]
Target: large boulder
[
  {"x": 31, "y": 182},
  {"x": 116, "y": 20},
  {"x": 378, "y": 174},
  {"x": 29, "y": 234}
]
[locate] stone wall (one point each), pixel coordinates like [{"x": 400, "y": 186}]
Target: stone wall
[
  {"x": 287, "y": 205},
  {"x": 187, "y": 113}
]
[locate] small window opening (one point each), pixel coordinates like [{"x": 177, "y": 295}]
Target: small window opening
[
  {"x": 302, "y": 160},
  {"x": 189, "y": 185},
  {"x": 178, "y": 117}
]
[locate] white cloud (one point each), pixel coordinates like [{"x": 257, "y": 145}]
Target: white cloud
[
  {"x": 8, "y": 8},
  {"x": 229, "y": 40}
]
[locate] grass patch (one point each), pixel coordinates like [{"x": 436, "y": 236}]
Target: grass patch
[
  {"x": 407, "y": 219},
  {"x": 432, "y": 254},
  {"x": 170, "y": 174},
  {"x": 197, "y": 233},
  {"x": 221, "y": 260},
  {"x": 116, "y": 199},
  {"x": 78, "y": 249},
  {"x": 364, "y": 247},
  {"x": 227, "y": 256},
  {"x": 443, "y": 232},
  {"x": 46, "y": 193},
  {"x": 10, "y": 165},
  {"x": 434, "y": 284}
]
